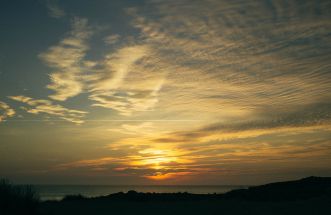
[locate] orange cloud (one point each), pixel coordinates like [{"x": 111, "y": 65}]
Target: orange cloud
[
  {"x": 164, "y": 176},
  {"x": 5, "y": 111}
]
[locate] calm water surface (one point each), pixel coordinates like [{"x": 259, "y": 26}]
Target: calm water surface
[{"x": 57, "y": 192}]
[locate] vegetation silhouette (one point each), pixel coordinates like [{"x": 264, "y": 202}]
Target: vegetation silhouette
[
  {"x": 16, "y": 199},
  {"x": 306, "y": 188},
  {"x": 310, "y": 195}
]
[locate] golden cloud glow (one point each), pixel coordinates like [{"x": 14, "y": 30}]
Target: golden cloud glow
[
  {"x": 5, "y": 111},
  {"x": 158, "y": 176}
]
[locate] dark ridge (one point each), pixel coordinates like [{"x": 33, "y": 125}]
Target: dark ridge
[
  {"x": 307, "y": 196},
  {"x": 306, "y": 188}
]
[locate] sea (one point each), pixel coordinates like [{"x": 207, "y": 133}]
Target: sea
[{"x": 57, "y": 192}]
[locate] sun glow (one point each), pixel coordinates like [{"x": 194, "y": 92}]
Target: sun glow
[
  {"x": 154, "y": 158},
  {"x": 158, "y": 176},
  {"x": 163, "y": 163}
]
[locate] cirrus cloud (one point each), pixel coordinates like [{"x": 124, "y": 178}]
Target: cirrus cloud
[
  {"x": 37, "y": 106},
  {"x": 66, "y": 60}
]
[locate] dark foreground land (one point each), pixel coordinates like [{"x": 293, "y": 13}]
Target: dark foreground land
[{"x": 306, "y": 196}]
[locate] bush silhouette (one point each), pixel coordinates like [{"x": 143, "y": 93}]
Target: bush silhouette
[
  {"x": 73, "y": 197},
  {"x": 18, "y": 199}
]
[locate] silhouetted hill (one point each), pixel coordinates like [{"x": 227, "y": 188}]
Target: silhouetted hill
[
  {"x": 310, "y": 195},
  {"x": 305, "y": 188}
]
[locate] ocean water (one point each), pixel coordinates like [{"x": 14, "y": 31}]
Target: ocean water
[{"x": 57, "y": 192}]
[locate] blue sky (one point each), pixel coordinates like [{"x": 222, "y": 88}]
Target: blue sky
[{"x": 164, "y": 92}]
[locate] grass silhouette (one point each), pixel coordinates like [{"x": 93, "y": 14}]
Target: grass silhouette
[{"x": 18, "y": 199}]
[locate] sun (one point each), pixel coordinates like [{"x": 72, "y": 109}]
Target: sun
[{"x": 163, "y": 164}]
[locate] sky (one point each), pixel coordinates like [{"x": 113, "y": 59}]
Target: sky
[{"x": 195, "y": 92}]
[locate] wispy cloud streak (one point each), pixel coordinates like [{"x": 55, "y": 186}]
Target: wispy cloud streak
[
  {"x": 54, "y": 10},
  {"x": 38, "y": 106},
  {"x": 66, "y": 58}
]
